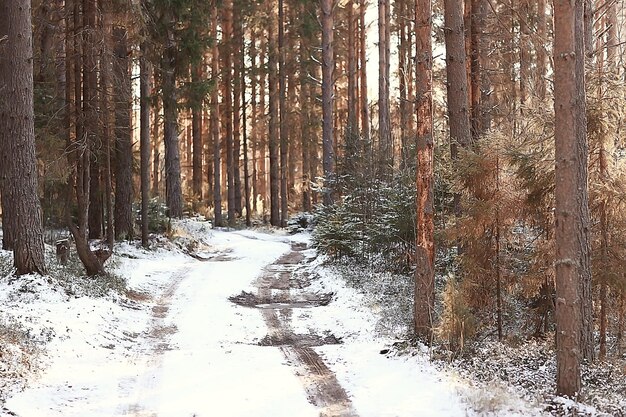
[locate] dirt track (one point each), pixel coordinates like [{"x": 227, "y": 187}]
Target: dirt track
[{"x": 278, "y": 294}]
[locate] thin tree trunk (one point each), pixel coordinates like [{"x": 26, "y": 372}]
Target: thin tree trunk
[
  {"x": 263, "y": 142},
  {"x": 156, "y": 157},
  {"x": 215, "y": 123},
  {"x": 405, "y": 76},
  {"x": 477, "y": 47},
  {"x": 238, "y": 63},
  {"x": 365, "y": 118},
  {"x": 525, "y": 50},
  {"x": 540, "y": 51},
  {"x": 254, "y": 117},
  {"x": 196, "y": 123},
  {"x": 107, "y": 117},
  {"x": 425, "y": 250},
  {"x": 588, "y": 16},
  {"x": 328, "y": 66},
  {"x": 144, "y": 139},
  {"x": 274, "y": 110},
  {"x": 96, "y": 200},
  {"x": 352, "y": 128},
  {"x": 284, "y": 124},
  {"x": 305, "y": 124},
  {"x": 246, "y": 176},
  {"x": 384, "y": 127},
  {"x": 227, "y": 119}
]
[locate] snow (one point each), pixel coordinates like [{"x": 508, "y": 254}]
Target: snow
[{"x": 179, "y": 347}]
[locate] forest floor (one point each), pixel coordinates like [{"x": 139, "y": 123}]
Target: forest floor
[{"x": 212, "y": 322}]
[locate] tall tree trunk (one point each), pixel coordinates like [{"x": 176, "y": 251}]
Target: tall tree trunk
[
  {"x": 239, "y": 101},
  {"x": 351, "y": 151},
  {"x": 227, "y": 93},
  {"x": 328, "y": 66},
  {"x": 254, "y": 118},
  {"x": 196, "y": 128},
  {"x": 571, "y": 212},
  {"x": 144, "y": 139},
  {"x": 305, "y": 121},
  {"x": 274, "y": 109},
  {"x": 477, "y": 77},
  {"x": 123, "y": 133},
  {"x": 246, "y": 162},
  {"x": 525, "y": 50},
  {"x": 365, "y": 114},
  {"x": 540, "y": 51},
  {"x": 215, "y": 123},
  {"x": 405, "y": 76},
  {"x": 458, "y": 109},
  {"x": 284, "y": 125},
  {"x": 425, "y": 254},
  {"x": 93, "y": 127},
  {"x": 385, "y": 149},
  {"x": 107, "y": 116},
  {"x": 263, "y": 143},
  {"x": 17, "y": 137},
  {"x": 156, "y": 157},
  {"x": 85, "y": 132},
  {"x": 173, "y": 188},
  {"x": 588, "y": 16}
]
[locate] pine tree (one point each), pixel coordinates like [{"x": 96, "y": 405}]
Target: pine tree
[
  {"x": 18, "y": 182},
  {"x": 571, "y": 211}
]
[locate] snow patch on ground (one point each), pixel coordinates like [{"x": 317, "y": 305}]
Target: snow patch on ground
[{"x": 173, "y": 345}]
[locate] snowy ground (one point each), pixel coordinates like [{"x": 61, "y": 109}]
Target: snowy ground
[{"x": 175, "y": 345}]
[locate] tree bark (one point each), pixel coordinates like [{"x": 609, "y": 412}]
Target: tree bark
[
  {"x": 478, "y": 123},
  {"x": 215, "y": 123},
  {"x": 123, "y": 133},
  {"x": 17, "y": 138},
  {"x": 274, "y": 110},
  {"x": 540, "y": 51},
  {"x": 456, "y": 84},
  {"x": 239, "y": 99},
  {"x": 173, "y": 188},
  {"x": 144, "y": 139},
  {"x": 284, "y": 134},
  {"x": 425, "y": 253},
  {"x": 385, "y": 149},
  {"x": 352, "y": 126},
  {"x": 328, "y": 66},
  {"x": 365, "y": 114},
  {"x": 196, "y": 128},
  {"x": 227, "y": 94},
  {"x": 571, "y": 210}
]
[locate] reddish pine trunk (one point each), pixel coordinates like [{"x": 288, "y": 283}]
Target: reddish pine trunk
[
  {"x": 144, "y": 140},
  {"x": 425, "y": 254},
  {"x": 215, "y": 124},
  {"x": 571, "y": 211},
  {"x": 196, "y": 128},
  {"x": 284, "y": 123},
  {"x": 18, "y": 183},
  {"x": 328, "y": 66}
]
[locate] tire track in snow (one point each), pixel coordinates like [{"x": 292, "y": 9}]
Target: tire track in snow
[
  {"x": 157, "y": 334},
  {"x": 320, "y": 383}
]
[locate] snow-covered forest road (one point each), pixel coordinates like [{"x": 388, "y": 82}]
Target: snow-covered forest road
[{"x": 244, "y": 328}]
